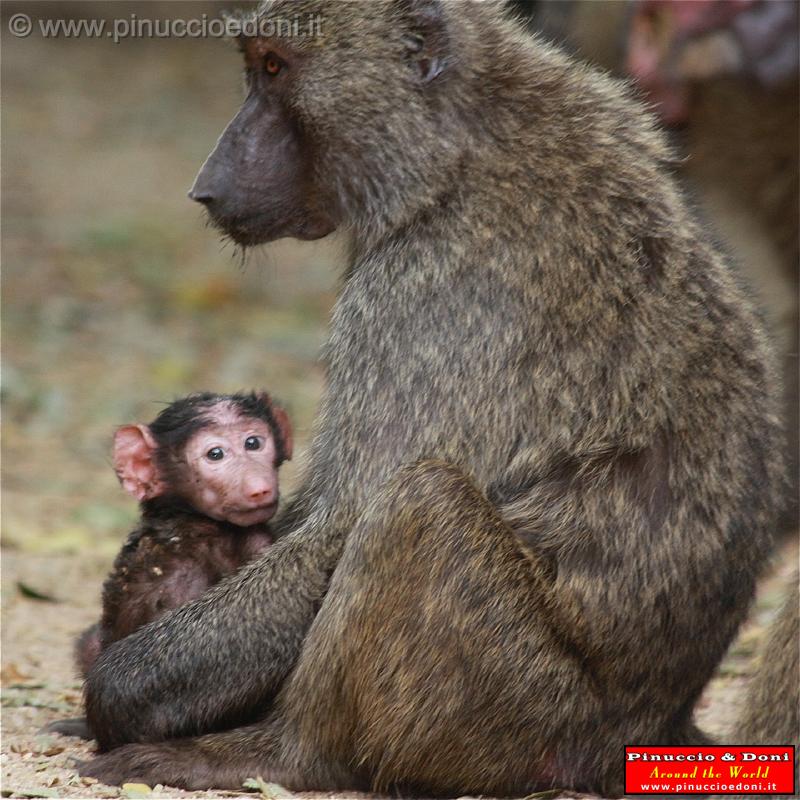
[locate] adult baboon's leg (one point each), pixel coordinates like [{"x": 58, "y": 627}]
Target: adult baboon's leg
[{"x": 427, "y": 667}]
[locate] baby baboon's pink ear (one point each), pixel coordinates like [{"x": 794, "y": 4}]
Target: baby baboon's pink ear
[{"x": 134, "y": 462}]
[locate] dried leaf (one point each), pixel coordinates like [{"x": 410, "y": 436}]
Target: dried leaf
[
  {"x": 269, "y": 791},
  {"x": 10, "y": 674},
  {"x": 136, "y": 791}
]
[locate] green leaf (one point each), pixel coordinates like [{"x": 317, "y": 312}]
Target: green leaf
[
  {"x": 17, "y": 698},
  {"x": 35, "y": 594}
]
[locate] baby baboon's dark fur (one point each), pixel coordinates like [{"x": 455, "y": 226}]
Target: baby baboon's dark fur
[
  {"x": 544, "y": 470},
  {"x": 177, "y": 550}
]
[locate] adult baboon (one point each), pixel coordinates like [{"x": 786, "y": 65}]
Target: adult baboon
[{"x": 544, "y": 467}]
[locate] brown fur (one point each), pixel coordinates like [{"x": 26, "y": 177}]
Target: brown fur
[{"x": 544, "y": 471}]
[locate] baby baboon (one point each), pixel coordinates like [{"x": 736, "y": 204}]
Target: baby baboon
[
  {"x": 544, "y": 468},
  {"x": 206, "y": 474}
]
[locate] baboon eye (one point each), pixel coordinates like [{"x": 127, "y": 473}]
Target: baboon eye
[
  {"x": 215, "y": 454},
  {"x": 252, "y": 443},
  {"x": 273, "y": 64}
]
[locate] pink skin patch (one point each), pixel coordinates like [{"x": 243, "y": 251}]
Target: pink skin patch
[{"x": 233, "y": 469}]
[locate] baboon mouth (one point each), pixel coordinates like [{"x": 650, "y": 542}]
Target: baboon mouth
[
  {"x": 259, "y": 229},
  {"x": 253, "y": 515}
]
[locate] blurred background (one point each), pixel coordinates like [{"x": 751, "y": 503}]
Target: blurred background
[{"x": 117, "y": 298}]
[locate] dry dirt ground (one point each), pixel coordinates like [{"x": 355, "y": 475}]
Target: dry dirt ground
[{"x": 39, "y": 682}]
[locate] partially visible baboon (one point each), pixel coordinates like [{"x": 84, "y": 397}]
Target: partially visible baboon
[
  {"x": 771, "y": 710},
  {"x": 776, "y": 682},
  {"x": 545, "y": 464},
  {"x": 206, "y": 474}
]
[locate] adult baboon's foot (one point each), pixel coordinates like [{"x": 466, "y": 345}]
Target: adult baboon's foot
[{"x": 184, "y": 763}]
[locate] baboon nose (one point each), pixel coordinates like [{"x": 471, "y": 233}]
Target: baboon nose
[
  {"x": 203, "y": 196},
  {"x": 260, "y": 494}
]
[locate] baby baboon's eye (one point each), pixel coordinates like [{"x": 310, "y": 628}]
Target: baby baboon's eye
[
  {"x": 215, "y": 454},
  {"x": 253, "y": 443}
]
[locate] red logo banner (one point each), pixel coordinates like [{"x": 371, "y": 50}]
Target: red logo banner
[{"x": 710, "y": 770}]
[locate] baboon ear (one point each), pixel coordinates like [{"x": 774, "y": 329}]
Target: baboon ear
[
  {"x": 282, "y": 421},
  {"x": 134, "y": 462},
  {"x": 426, "y": 38}
]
